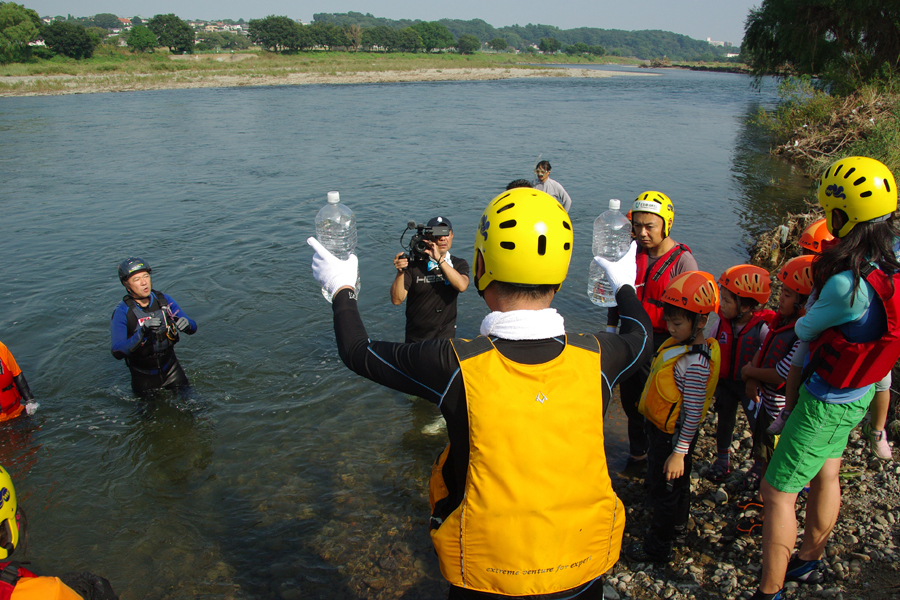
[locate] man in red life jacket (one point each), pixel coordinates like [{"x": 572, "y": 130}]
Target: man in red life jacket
[
  {"x": 659, "y": 259},
  {"x": 13, "y": 388},
  {"x": 17, "y": 582}
]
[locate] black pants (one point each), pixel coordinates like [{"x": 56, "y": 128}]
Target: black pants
[
  {"x": 671, "y": 505},
  {"x": 729, "y": 395},
  {"x": 171, "y": 378},
  {"x": 630, "y": 391},
  {"x": 594, "y": 591}
]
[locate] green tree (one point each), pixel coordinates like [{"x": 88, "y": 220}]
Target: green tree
[
  {"x": 172, "y": 32},
  {"x": 18, "y": 26},
  {"x": 409, "y": 40},
  {"x": 381, "y": 36},
  {"x": 107, "y": 21},
  {"x": 141, "y": 39},
  {"x": 70, "y": 40},
  {"x": 136, "y": 21},
  {"x": 549, "y": 45},
  {"x": 844, "y": 41},
  {"x": 276, "y": 33},
  {"x": 499, "y": 44},
  {"x": 468, "y": 44},
  {"x": 354, "y": 33},
  {"x": 434, "y": 35}
]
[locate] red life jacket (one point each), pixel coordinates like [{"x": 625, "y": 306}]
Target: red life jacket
[
  {"x": 777, "y": 345},
  {"x": 9, "y": 393},
  {"x": 845, "y": 364},
  {"x": 9, "y": 576},
  {"x": 739, "y": 352},
  {"x": 651, "y": 285}
]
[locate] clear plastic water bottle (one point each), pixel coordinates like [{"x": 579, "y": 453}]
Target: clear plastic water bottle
[
  {"x": 336, "y": 230},
  {"x": 612, "y": 239}
]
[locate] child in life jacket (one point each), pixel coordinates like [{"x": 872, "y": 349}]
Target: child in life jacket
[
  {"x": 13, "y": 388},
  {"x": 742, "y": 327},
  {"x": 766, "y": 373},
  {"x": 674, "y": 402}
]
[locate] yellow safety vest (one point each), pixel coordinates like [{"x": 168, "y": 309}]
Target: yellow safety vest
[
  {"x": 539, "y": 513},
  {"x": 661, "y": 400}
]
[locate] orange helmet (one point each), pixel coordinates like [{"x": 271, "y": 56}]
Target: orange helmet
[
  {"x": 797, "y": 274},
  {"x": 747, "y": 281},
  {"x": 695, "y": 291},
  {"x": 815, "y": 235}
]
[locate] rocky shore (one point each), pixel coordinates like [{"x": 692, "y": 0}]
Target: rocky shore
[
  {"x": 716, "y": 562},
  {"x": 44, "y": 85}
]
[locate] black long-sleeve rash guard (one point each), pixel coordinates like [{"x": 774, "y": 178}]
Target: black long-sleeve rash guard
[{"x": 431, "y": 370}]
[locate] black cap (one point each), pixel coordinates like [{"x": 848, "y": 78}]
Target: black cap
[{"x": 440, "y": 221}]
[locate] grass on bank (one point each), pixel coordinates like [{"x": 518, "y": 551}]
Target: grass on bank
[{"x": 815, "y": 128}]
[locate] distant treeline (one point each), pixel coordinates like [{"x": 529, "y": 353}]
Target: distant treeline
[{"x": 645, "y": 45}]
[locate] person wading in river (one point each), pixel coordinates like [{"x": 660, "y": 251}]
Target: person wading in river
[{"x": 523, "y": 415}]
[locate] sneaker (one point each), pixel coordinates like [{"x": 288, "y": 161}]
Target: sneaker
[
  {"x": 718, "y": 471},
  {"x": 634, "y": 468},
  {"x": 779, "y": 595},
  {"x": 778, "y": 424},
  {"x": 803, "y": 571},
  {"x": 637, "y": 553},
  {"x": 878, "y": 443}
]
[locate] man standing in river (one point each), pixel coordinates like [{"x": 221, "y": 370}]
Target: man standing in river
[
  {"x": 551, "y": 186},
  {"x": 144, "y": 329},
  {"x": 522, "y": 413}
]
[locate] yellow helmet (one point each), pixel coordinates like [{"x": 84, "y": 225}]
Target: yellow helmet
[
  {"x": 524, "y": 237},
  {"x": 9, "y": 526},
  {"x": 658, "y": 204},
  {"x": 861, "y": 187}
]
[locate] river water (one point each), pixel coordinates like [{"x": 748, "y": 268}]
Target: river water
[{"x": 284, "y": 475}]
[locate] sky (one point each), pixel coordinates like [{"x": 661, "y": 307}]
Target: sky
[{"x": 721, "y": 20}]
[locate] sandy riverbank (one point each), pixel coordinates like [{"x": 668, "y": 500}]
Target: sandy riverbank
[{"x": 43, "y": 85}]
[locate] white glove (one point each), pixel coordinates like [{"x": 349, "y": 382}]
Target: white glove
[
  {"x": 331, "y": 272},
  {"x": 31, "y": 407},
  {"x": 623, "y": 271}
]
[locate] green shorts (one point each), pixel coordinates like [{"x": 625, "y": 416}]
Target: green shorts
[{"x": 815, "y": 432}]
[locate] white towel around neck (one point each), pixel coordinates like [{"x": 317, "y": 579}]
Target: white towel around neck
[{"x": 524, "y": 324}]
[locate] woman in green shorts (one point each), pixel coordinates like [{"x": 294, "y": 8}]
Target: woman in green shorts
[{"x": 853, "y": 330}]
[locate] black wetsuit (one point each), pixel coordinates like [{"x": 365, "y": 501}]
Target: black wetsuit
[{"x": 431, "y": 370}]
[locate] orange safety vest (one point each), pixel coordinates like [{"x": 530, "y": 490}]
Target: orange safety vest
[
  {"x": 539, "y": 514},
  {"x": 650, "y": 285},
  {"x": 18, "y": 583},
  {"x": 10, "y": 399}
]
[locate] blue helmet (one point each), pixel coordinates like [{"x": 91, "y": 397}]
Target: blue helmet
[{"x": 130, "y": 266}]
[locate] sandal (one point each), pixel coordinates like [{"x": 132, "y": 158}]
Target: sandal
[
  {"x": 749, "y": 526},
  {"x": 753, "y": 503}
]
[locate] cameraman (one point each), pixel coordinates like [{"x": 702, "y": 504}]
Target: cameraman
[{"x": 432, "y": 282}]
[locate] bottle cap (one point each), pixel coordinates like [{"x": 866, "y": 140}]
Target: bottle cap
[
  {"x": 614, "y": 204},
  {"x": 333, "y": 197}
]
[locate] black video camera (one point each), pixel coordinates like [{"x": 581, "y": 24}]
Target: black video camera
[{"x": 417, "y": 246}]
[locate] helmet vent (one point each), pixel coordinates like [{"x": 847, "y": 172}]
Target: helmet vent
[
  {"x": 508, "y": 224},
  {"x": 508, "y": 245},
  {"x": 566, "y": 246},
  {"x": 887, "y": 185},
  {"x": 567, "y": 226},
  {"x": 849, "y": 173},
  {"x": 507, "y": 207},
  {"x": 859, "y": 181},
  {"x": 866, "y": 194},
  {"x": 542, "y": 245}
]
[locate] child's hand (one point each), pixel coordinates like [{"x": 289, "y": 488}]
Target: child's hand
[
  {"x": 674, "y": 467},
  {"x": 753, "y": 389},
  {"x": 745, "y": 371}
]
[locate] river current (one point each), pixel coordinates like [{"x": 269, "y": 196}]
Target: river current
[{"x": 285, "y": 475}]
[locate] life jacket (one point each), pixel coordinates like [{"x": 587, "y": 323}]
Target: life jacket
[
  {"x": 10, "y": 399},
  {"x": 651, "y": 285},
  {"x": 18, "y": 583},
  {"x": 845, "y": 364},
  {"x": 661, "y": 399},
  {"x": 777, "y": 345},
  {"x": 158, "y": 352},
  {"x": 539, "y": 514},
  {"x": 738, "y": 352}
]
